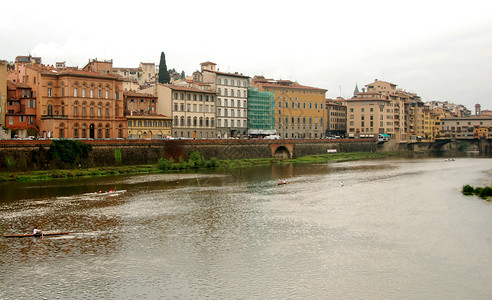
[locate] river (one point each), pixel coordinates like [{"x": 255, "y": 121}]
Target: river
[{"x": 396, "y": 229}]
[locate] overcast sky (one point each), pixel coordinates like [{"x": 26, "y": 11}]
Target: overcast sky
[{"x": 441, "y": 50}]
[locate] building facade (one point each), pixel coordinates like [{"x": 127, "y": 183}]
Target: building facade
[
  {"x": 336, "y": 117},
  {"x": 21, "y": 107},
  {"x": 76, "y": 104},
  {"x": 3, "y": 91},
  {"x": 382, "y": 108},
  {"x": 474, "y": 127},
  {"x": 144, "y": 126},
  {"x": 299, "y": 110},
  {"x": 261, "y": 112},
  {"x": 142, "y": 103},
  {"x": 191, "y": 107},
  {"x": 232, "y": 100},
  {"x": 144, "y": 75}
]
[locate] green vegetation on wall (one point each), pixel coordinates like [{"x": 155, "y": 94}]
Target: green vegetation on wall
[
  {"x": 69, "y": 151},
  {"x": 117, "y": 156},
  {"x": 195, "y": 161}
]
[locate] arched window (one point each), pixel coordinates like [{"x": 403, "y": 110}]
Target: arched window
[
  {"x": 120, "y": 131},
  {"x": 106, "y": 133},
  {"x": 99, "y": 131},
  {"x": 176, "y": 123},
  {"x": 106, "y": 110},
  {"x": 226, "y": 82},
  {"x": 181, "y": 121},
  {"x": 61, "y": 128},
  {"x": 84, "y": 131},
  {"x": 188, "y": 121},
  {"x": 194, "y": 121},
  {"x": 232, "y": 82},
  {"x": 219, "y": 80},
  {"x": 76, "y": 131},
  {"x": 200, "y": 122},
  {"x": 50, "y": 110}
]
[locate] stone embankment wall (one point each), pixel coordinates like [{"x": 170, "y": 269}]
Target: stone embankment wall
[{"x": 24, "y": 155}]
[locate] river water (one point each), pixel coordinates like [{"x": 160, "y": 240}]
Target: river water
[{"x": 396, "y": 229}]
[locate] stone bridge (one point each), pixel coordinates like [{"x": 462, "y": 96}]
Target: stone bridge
[{"x": 484, "y": 145}]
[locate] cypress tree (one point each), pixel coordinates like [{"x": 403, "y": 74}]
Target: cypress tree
[{"x": 163, "y": 73}]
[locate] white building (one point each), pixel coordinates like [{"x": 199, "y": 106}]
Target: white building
[{"x": 232, "y": 100}]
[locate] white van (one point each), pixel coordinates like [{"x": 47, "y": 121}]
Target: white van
[{"x": 272, "y": 137}]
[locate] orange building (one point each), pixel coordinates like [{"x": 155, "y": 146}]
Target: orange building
[
  {"x": 21, "y": 106},
  {"x": 139, "y": 102},
  {"x": 76, "y": 103}
]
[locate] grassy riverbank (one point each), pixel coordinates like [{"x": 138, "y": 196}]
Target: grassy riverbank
[{"x": 185, "y": 165}]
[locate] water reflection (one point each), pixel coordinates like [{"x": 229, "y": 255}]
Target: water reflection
[{"x": 398, "y": 228}]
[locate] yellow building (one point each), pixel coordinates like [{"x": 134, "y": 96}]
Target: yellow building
[
  {"x": 144, "y": 126},
  {"x": 299, "y": 110}
]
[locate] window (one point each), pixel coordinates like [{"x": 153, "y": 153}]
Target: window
[
  {"x": 91, "y": 93},
  {"x": 83, "y": 93},
  {"x": 107, "y": 94},
  {"x": 75, "y": 92}
]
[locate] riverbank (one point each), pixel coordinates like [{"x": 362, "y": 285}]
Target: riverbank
[{"x": 152, "y": 169}]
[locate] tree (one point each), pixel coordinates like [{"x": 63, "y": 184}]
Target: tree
[{"x": 163, "y": 73}]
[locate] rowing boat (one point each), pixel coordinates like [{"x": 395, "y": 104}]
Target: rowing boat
[
  {"x": 113, "y": 193},
  {"x": 35, "y": 235}
]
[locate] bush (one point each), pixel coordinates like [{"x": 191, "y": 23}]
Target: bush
[
  {"x": 485, "y": 192},
  {"x": 196, "y": 160},
  {"x": 468, "y": 190},
  {"x": 165, "y": 164},
  {"x": 479, "y": 191},
  {"x": 182, "y": 163}
]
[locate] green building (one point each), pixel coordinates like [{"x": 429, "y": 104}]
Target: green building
[{"x": 261, "y": 116}]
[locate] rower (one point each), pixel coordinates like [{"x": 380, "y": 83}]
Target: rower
[{"x": 36, "y": 231}]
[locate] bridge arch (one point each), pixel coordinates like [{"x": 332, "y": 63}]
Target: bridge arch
[{"x": 282, "y": 151}]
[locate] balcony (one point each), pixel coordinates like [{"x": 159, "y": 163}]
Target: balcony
[{"x": 57, "y": 117}]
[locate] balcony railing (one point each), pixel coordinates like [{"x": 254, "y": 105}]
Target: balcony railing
[{"x": 47, "y": 117}]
